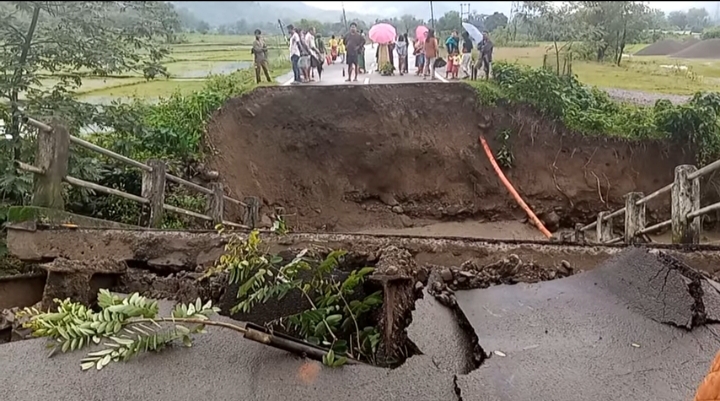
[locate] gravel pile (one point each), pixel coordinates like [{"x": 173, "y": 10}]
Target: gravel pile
[
  {"x": 706, "y": 49},
  {"x": 661, "y": 48},
  {"x": 643, "y": 98}
]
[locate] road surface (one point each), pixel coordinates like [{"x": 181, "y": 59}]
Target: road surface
[
  {"x": 333, "y": 74},
  {"x": 618, "y": 332}
]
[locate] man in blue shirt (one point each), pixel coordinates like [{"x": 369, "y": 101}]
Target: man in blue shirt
[{"x": 452, "y": 44}]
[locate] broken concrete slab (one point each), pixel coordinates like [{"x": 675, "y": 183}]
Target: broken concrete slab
[
  {"x": 221, "y": 366},
  {"x": 79, "y": 280},
  {"x": 593, "y": 335},
  {"x": 436, "y": 331},
  {"x": 176, "y": 250}
]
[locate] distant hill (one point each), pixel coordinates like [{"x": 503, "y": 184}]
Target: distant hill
[
  {"x": 421, "y": 9},
  {"x": 218, "y": 13}
]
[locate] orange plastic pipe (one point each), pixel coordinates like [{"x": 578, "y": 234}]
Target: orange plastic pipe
[{"x": 512, "y": 190}]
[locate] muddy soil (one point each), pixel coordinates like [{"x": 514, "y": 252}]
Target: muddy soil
[{"x": 364, "y": 157}]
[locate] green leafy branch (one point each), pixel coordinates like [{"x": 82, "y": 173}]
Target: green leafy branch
[
  {"x": 331, "y": 320},
  {"x": 129, "y": 325}
]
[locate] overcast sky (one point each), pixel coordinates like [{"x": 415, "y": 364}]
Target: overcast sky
[{"x": 391, "y": 8}]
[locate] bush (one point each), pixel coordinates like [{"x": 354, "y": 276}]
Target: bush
[
  {"x": 711, "y": 33},
  {"x": 169, "y": 130},
  {"x": 591, "y": 111}
]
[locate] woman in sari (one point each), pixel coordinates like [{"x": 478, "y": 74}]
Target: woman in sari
[
  {"x": 361, "y": 59},
  {"x": 333, "y": 48},
  {"x": 383, "y": 55}
]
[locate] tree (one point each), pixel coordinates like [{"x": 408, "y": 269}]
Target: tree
[
  {"x": 609, "y": 26},
  {"x": 554, "y": 23},
  {"x": 697, "y": 19},
  {"x": 448, "y": 22},
  {"x": 408, "y": 23},
  {"x": 494, "y": 21},
  {"x": 203, "y": 27},
  {"x": 678, "y": 19},
  {"x": 74, "y": 39}
]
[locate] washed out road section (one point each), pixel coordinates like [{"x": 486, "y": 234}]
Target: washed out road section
[{"x": 611, "y": 333}]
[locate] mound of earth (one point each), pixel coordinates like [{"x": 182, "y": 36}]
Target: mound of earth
[
  {"x": 605, "y": 332},
  {"x": 358, "y": 157},
  {"x": 661, "y": 48},
  {"x": 706, "y": 49}
]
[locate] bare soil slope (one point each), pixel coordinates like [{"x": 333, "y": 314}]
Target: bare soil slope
[
  {"x": 661, "y": 48},
  {"x": 706, "y": 49},
  {"x": 340, "y": 158}
]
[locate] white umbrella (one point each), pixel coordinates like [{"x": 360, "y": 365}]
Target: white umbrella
[{"x": 474, "y": 33}]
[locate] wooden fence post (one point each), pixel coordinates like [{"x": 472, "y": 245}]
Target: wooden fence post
[
  {"x": 216, "y": 208},
  {"x": 579, "y": 233},
  {"x": 153, "y": 189},
  {"x": 634, "y": 216},
  {"x": 53, "y": 152},
  {"x": 685, "y": 197},
  {"x": 604, "y": 231},
  {"x": 250, "y": 218}
]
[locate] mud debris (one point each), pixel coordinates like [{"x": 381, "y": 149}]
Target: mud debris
[
  {"x": 509, "y": 270},
  {"x": 182, "y": 286},
  {"x": 312, "y": 162}
]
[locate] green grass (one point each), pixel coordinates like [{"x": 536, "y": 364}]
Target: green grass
[
  {"x": 648, "y": 74},
  {"x": 151, "y": 89},
  {"x": 197, "y": 56},
  {"x": 195, "y": 38}
]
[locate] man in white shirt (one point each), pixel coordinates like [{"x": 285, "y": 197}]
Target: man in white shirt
[
  {"x": 310, "y": 42},
  {"x": 294, "y": 52}
]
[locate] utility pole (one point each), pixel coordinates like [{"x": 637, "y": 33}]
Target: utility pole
[
  {"x": 432, "y": 16},
  {"x": 342, "y": 4},
  {"x": 464, "y": 12}
]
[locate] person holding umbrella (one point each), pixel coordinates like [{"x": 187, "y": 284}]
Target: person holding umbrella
[
  {"x": 466, "y": 61},
  {"x": 486, "y": 51}
]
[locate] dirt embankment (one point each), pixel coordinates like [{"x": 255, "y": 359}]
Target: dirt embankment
[{"x": 349, "y": 158}]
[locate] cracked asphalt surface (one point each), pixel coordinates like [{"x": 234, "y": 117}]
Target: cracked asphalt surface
[
  {"x": 619, "y": 331},
  {"x": 611, "y": 333}
]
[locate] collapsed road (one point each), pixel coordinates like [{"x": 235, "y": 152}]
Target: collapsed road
[{"x": 640, "y": 326}]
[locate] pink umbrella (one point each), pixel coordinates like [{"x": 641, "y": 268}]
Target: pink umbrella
[
  {"x": 420, "y": 32},
  {"x": 382, "y": 33}
]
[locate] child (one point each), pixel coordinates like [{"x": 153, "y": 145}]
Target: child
[
  {"x": 450, "y": 65},
  {"x": 457, "y": 60},
  {"x": 341, "y": 50}
]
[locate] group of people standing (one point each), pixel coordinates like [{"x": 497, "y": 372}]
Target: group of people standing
[
  {"x": 385, "y": 54},
  {"x": 307, "y": 54},
  {"x": 427, "y": 52}
]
